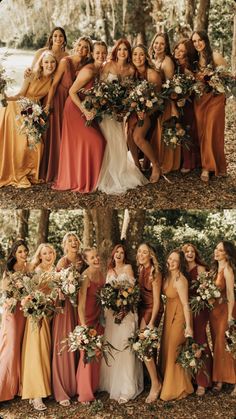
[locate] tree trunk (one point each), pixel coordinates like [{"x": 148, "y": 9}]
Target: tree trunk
[
  {"x": 189, "y": 12},
  {"x": 22, "y": 223},
  {"x": 43, "y": 226},
  {"x": 203, "y": 15},
  {"x": 134, "y": 235},
  {"x": 88, "y": 233},
  {"x": 233, "y": 57}
]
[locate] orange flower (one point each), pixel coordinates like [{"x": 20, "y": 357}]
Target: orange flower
[{"x": 92, "y": 332}]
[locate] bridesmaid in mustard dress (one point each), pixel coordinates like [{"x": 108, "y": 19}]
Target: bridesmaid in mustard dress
[
  {"x": 87, "y": 376},
  {"x": 12, "y": 328},
  {"x": 36, "y": 350},
  {"x": 224, "y": 311},
  {"x": 177, "y": 326},
  {"x": 151, "y": 309},
  {"x": 19, "y": 164}
]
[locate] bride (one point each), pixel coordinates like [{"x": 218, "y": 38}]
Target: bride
[
  {"x": 123, "y": 378},
  {"x": 118, "y": 172}
]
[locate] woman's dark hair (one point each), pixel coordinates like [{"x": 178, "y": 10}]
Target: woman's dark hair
[
  {"x": 116, "y": 47},
  {"x": 148, "y": 61},
  {"x": 191, "y": 56},
  {"x": 207, "y": 52},
  {"x": 11, "y": 259},
  {"x": 230, "y": 250},
  {"x": 198, "y": 258},
  {"x": 165, "y": 36},
  {"x": 183, "y": 268},
  {"x": 50, "y": 38},
  {"x": 111, "y": 263}
]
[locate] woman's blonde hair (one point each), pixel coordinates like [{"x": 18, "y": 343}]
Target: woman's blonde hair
[
  {"x": 36, "y": 258},
  {"x": 38, "y": 66},
  {"x": 66, "y": 237},
  {"x": 154, "y": 262}
]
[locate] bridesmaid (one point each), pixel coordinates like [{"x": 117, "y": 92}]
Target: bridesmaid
[
  {"x": 58, "y": 93},
  {"x": 87, "y": 376},
  {"x": 159, "y": 51},
  {"x": 145, "y": 71},
  {"x": 36, "y": 350},
  {"x": 177, "y": 326},
  {"x": 196, "y": 266},
  {"x": 224, "y": 365},
  {"x": 19, "y": 164},
  {"x": 64, "y": 366},
  {"x": 82, "y": 147},
  {"x": 150, "y": 310},
  {"x": 185, "y": 57},
  {"x": 12, "y": 328},
  {"x": 209, "y": 112}
]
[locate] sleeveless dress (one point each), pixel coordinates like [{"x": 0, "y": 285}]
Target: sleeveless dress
[
  {"x": 118, "y": 172},
  {"x": 200, "y": 321},
  {"x": 224, "y": 365},
  {"x": 50, "y": 158},
  {"x": 19, "y": 164},
  {"x": 81, "y": 151},
  {"x": 87, "y": 376},
  {"x": 146, "y": 292},
  {"x": 176, "y": 382},
  {"x": 123, "y": 378}
]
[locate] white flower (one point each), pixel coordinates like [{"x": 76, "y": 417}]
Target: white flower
[
  {"x": 149, "y": 104},
  {"x": 136, "y": 346},
  {"x": 71, "y": 289},
  {"x": 174, "y": 140},
  {"x": 178, "y": 89},
  {"x": 146, "y": 333},
  {"x": 193, "y": 363}
]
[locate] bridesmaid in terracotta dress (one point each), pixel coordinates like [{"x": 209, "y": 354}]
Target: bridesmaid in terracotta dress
[
  {"x": 19, "y": 164},
  {"x": 82, "y": 147},
  {"x": 36, "y": 349},
  {"x": 210, "y": 112},
  {"x": 87, "y": 376},
  {"x": 12, "y": 328},
  {"x": 151, "y": 309},
  {"x": 58, "y": 93},
  {"x": 196, "y": 266},
  {"x": 177, "y": 326},
  {"x": 224, "y": 311},
  {"x": 64, "y": 366}
]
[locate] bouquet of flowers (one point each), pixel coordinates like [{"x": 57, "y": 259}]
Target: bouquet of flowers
[
  {"x": 4, "y": 81},
  {"x": 191, "y": 356},
  {"x": 15, "y": 289},
  {"x": 144, "y": 99},
  {"x": 70, "y": 282},
  {"x": 144, "y": 342},
  {"x": 33, "y": 120},
  {"x": 230, "y": 339},
  {"x": 179, "y": 88},
  {"x": 121, "y": 297},
  {"x": 207, "y": 292},
  {"x": 175, "y": 134},
  {"x": 217, "y": 81},
  {"x": 96, "y": 100},
  {"x": 87, "y": 339}
]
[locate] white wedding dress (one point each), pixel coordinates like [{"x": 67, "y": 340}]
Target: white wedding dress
[
  {"x": 123, "y": 378},
  {"x": 118, "y": 171}
]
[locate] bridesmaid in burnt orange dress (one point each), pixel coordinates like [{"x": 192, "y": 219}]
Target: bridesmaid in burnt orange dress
[
  {"x": 151, "y": 309},
  {"x": 209, "y": 112},
  {"x": 12, "y": 328},
  {"x": 87, "y": 376},
  {"x": 195, "y": 266},
  {"x": 177, "y": 326},
  {"x": 224, "y": 365}
]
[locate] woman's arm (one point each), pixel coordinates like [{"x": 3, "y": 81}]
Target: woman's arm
[
  {"x": 168, "y": 68},
  {"x": 84, "y": 76},
  {"x": 229, "y": 279},
  {"x": 156, "y": 292},
  {"x": 182, "y": 288},
  {"x": 219, "y": 60},
  {"x": 57, "y": 78},
  {"x": 155, "y": 78},
  {"x": 82, "y": 299}
]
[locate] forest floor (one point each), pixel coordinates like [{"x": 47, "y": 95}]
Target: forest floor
[
  {"x": 179, "y": 191},
  {"x": 209, "y": 407}
]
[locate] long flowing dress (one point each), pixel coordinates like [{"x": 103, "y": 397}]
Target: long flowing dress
[
  {"x": 200, "y": 321},
  {"x": 81, "y": 152},
  {"x": 123, "y": 377},
  {"x": 118, "y": 172},
  {"x": 146, "y": 292},
  {"x": 176, "y": 381},
  {"x": 19, "y": 164},
  {"x": 224, "y": 370},
  {"x": 63, "y": 365},
  {"x": 36, "y": 359},
  {"x": 50, "y": 158},
  {"x": 87, "y": 376}
]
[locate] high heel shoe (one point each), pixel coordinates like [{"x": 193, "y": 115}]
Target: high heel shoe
[
  {"x": 217, "y": 388},
  {"x": 64, "y": 403},
  {"x": 37, "y": 404},
  {"x": 200, "y": 391},
  {"x": 152, "y": 397},
  {"x": 205, "y": 176}
]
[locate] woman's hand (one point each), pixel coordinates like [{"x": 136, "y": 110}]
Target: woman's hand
[
  {"x": 150, "y": 325},
  {"x": 89, "y": 115},
  {"x": 188, "y": 332},
  {"x": 27, "y": 73},
  {"x": 47, "y": 109}
]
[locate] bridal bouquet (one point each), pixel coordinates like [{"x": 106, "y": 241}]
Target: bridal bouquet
[
  {"x": 33, "y": 121},
  {"x": 191, "y": 356},
  {"x": 15, "y": 289},
  {"x": 217, "y": 81},
  {"x": 96, "y": 101},
  {"x": 144, "y": 342},
  {"x": 121, "y": 297},
  {"x": 207, "y": 292},
  {"x": 175, "y": 134},
  {"x": 87, "y": 339},
  {"x": 179, "y": 88},
  {"x": 230, "y": 339},
  {"x": 144, "y": 99},
  {"x": 69, "y": 283}
]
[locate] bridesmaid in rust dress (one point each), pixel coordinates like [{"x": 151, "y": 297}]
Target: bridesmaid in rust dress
[
  {"x": 64, "y": 365},
  {"x": 58, "y": 93},
  {"x": 151, "y": 309},
  {"x": 82, "y": 147},
  {"x": 87, "y": 376},
  {"x": 12, "y": 328},
  {"x": 209, "y": 112},
  {"x": 224, "y": 365},
  {"x": 195, "y": 267}
]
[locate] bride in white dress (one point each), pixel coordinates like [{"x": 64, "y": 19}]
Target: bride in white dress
[
  {"x": 123, "y": 378},
  {"x": 118, "y": 172}
]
